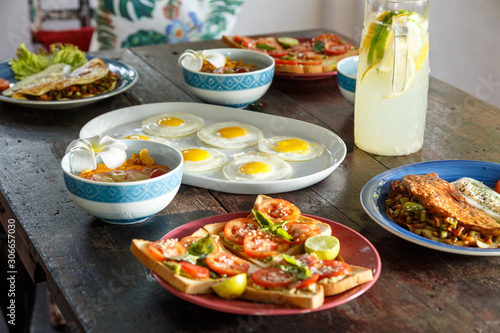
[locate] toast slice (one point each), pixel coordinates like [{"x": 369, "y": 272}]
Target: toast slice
[
  {"x": 358, "y": 276},
  {"x": 308, "y": 300},
  {"x": 187, "y": 285}
]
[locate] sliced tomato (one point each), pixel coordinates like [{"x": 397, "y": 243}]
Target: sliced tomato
[
  {"x": 165, "y": 248},
  {"x": 301, "y": 231},
  {"x": 326, "y": 37},
  {"x": 189, "y": 240},
  {"x": 306, "y": 259},
  {"x": 334, "y": 48},
  {"x": 272, "y": 278},
  {"x": 309, "y": 55},
  {"x": 227, "y": 264},
  {"x": 258, "y": 244},
  {"x": 245, "y": 41},
  {"x": 278, "y": 53},
  {"x": 497, "y": 187},
  {"x": 236, "y": 230},
  {"x": 196, "y": 271},
  {"x": 301, "y": 284},
  {"x": 4, "y": 84},
  {"x": 279, "y": 210},
  {"x": 329, "y": 268}
]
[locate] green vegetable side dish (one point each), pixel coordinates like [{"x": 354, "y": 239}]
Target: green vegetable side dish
[{"x": 28, "y": 63}]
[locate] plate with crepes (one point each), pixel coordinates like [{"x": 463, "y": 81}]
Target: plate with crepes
[
  {"x": 355, "y": 249},
  {"x": 127, "y": 77},
  {"x": 375, "y": 192}
]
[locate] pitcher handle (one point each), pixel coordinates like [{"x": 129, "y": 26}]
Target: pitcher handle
[{"x": 399, "y": 70}]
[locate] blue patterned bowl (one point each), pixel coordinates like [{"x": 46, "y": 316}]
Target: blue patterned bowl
[
  {"x": 128, "y": 202},
  {"x": 346, "y": 77},
  {"x": 233, "y": 90}
]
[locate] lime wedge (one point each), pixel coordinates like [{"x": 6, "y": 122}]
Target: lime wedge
[
  {"x": 231, "y": 288},
  {"x": 325, "y": 247},
  {"x": 287, "y": 42}
]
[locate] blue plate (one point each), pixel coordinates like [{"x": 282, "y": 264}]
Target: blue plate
[
  {"x": 127, "y": 77},
  {"x": 375, "y": 192}
]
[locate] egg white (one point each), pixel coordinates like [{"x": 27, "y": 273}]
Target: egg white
[
  {"x": 216, "y": 160},
  {"x": 280, "y": 168},
  {"x": 209, "y": 135},
  {"x": 270, "y": 146},
  {"x": 190, "y": 125},
  {"x": 146, "y": 137}
]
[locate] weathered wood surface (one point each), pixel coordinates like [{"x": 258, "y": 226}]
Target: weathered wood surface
[{"x": 101, "y": 287}]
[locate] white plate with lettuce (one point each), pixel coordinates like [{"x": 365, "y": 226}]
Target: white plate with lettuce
[{"x": 28, "y": 63}]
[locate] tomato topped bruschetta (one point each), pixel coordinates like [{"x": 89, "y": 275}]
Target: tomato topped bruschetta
[{"x": 300, "y": 56}]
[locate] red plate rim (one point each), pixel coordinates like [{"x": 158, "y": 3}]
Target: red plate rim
[{"x": 364, "y": 254}]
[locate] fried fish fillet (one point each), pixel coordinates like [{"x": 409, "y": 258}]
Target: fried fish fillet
[{"x": 440, "y": 197}]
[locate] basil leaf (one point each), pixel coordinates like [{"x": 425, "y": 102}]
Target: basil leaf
[
  {"x": 283, "y": 234},
  {"x": 202, "y": 247},
  {"x": 186, "y": 257},
  {"x": 301, "y": 271},
  {"x": 319, "y": 46},
  {"x": 263, "y": 220}
]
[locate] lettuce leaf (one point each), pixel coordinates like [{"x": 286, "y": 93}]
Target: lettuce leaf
[{"x": 28, "y": 63}]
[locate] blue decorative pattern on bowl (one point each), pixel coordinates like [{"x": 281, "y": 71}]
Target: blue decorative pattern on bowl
[
  {"x": 131, "y": 192},
  {"x": 230, "y": 82},
  {"x": 347, "y": 83}
]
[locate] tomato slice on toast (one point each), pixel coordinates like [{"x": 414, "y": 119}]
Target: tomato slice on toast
[
  {"x": 236, "y": 230},
  {"x": 330, "y": 268},
  {"x": 258, "y": 244},
  {"x": 301, "y": 231},
  {"x": 196, "y": 271},
  {"x": 279, "y": 210},
  {"x": 227, "y": 264},
  {"x": 165, "y": 248},
  {"x": 272, "y": 277}
]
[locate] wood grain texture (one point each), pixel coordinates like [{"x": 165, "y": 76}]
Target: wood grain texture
[{"x": 101, "y": 287}]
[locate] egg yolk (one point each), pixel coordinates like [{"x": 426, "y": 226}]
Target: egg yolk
[
  {"x": 195, "y": 155},
  {"x": 253, "y": 168},
  {"x": 137, "y": 137},
  {"x": 292, "y": 146},
  {"x": 170, "y": 121},
  {"x": 232, "y": 132}
]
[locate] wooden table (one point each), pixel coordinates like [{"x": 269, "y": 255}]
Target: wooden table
[{"x": 101, "y": 287}]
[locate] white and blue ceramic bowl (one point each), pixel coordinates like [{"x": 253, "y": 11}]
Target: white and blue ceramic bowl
[
  {"x": 233, "y": 90},
  {"x": 128, "y": 202},
  {"x": 346, "y": 77}
]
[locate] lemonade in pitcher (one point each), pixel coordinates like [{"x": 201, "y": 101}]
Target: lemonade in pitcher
[{"x": 392, "y": 78}]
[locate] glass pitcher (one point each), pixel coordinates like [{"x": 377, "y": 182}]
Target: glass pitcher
[{"x": 392, "y": 78}]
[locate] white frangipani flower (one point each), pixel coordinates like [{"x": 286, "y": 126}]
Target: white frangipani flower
[
  {"x": 193, "y": 60},
  {"x": 84, "y": 153}
]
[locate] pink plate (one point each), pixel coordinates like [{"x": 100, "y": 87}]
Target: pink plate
[
  {"x": 355, "y": 249},
  {"x": 305, "y": 76}
]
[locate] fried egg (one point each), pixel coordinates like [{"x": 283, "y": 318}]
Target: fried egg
[
  {"x": 197, "y": 159},
  {"x": 230, "y": 135},
  {"x": 173, "y": 124},
  {"x": 256, "y": 166},
  {"x": 290, "y": 148},
  {"x": 147, "y": 137}
]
